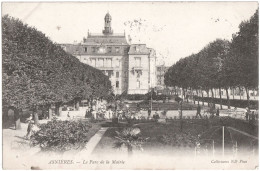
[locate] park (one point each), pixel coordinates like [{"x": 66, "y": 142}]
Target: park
[{"x": 55, "y": 107}]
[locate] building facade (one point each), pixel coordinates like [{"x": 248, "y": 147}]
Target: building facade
[
  {"x": 160, "y": 72},
  {"x": 131, "y": 68}
]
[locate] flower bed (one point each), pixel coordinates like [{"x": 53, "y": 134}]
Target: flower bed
[{"x": 61, "y": 136}]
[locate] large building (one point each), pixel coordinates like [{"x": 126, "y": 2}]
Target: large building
[{"x": 130, "y": 67}]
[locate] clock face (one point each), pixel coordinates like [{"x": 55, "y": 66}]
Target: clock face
[{"x": 102, "y": 50}]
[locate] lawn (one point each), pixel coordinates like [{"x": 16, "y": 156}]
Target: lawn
[{"x": 168, "y": 138}]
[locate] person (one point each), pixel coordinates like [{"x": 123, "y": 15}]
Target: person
[
  {"x": 247, "y": 113},
  {"x": 29, "y": 129},
  {"x": 253, "y": 116},
  {"x": 94, "y": 114},
  {"x": 149, "y": 112},
  {"x": 198, "y": 111},
  {"x": 68, "y": 115},
  {"x": 217, "y": 113}
]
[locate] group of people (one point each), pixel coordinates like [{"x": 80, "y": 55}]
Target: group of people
[
  {"x": 211, "y": 110},
  {"x": 251, "y": 115}
]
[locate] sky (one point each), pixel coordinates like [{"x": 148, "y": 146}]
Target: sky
[{"x": 174, "y": 29}]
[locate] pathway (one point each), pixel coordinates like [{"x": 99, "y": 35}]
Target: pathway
[{"x": 89, "y": 148}]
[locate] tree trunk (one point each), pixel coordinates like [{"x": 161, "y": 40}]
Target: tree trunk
[
  {"x": 228, "y": 102},
  {"x": 5, "y": 113},
  {"x": 44, "y": 111},
  {"x": 247, "y": 95},
  {"x": 58, "y": 109},
  {"x": 17, "y": 119},
  {"x": 233, "y": 93},
  {"x": 220, "y": 96},
  {"x": 50, "y": 112},
  {"x": 208, "y": 96},
  {"x": 239, "y": 92},
  {"x": 187, "y": 96},
  {"x": 35, "y": 115},
  {"x": 202, "y": 97},
  {"x": 212, "y": 97},
  {"x": 183, "y": 94},
  {"x": 197, "y": 96},
  {"x": 77, "y": 105}
]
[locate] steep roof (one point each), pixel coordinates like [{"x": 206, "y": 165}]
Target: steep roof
[
  {"x": 138, "y": 49},
  {"x": 97, "y": 39}
]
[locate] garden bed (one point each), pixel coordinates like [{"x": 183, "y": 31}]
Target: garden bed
[
  {"x": 168, "y": 138},
  {"x": 61, "y": 136}
]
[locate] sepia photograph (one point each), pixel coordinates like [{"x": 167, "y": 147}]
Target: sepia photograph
[{"x": 170, "y": 85}]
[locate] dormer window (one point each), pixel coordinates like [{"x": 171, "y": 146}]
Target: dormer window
[{"x": 137, "y": 49}]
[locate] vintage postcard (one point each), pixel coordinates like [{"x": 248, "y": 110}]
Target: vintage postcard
[{"x": 130, "y": 85}]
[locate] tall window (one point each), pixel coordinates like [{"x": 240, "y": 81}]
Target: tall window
[
  {"x": 117, "y": 84},
  {"x": 100, "y": 62},
  {"x": 109, "y": 49},
  {"x": 117, "y": 63},
  {"x": 85, "y": 49},
  {"x": 93, "y": 49},
  {"x": 93, "y": 62},
  {"x": 109, "y": 62},
  {"x": 137, "y": 61},
  {"x": 117, "y": 74},
  {"x": 138, "y": 84},
  {"x": 117, "y": 49}
]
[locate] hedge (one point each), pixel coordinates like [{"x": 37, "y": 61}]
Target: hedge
[
  {"x": 37, "y": 71},
  {"x": 233, "y": 102},
  {"x": 146, "y": 97}
]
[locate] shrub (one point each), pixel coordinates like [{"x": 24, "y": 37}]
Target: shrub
[
  {"x": 233, "y": 102},
  {"x": 61, "y": 136}
]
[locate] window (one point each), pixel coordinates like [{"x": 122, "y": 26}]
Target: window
[
  {"x": 109, "y": 62},
  {"x": 138, "y": 84},
  {"x": 125, "y": 50},
  {"x": 117, "y": 49},
  {"x": 117, "y": 84},
  {"x": 117, "y": 74},
  {"x": 93, "y": 62},
  {"x": 137, "y": 61},
  {"x": 109, "y": 49},
  {"x": 117, "y": 63},
  {"x": 93, "y": 49},
  {"x": 85, "y": 49},
  {"x": 100, "y": 62},
  {"x": 137, "y": 49}
]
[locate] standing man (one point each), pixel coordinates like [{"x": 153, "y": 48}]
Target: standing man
[
  {"x": 198, "y": 111},
  {"x": 149, "y": 112},
  {"x": 217, "y": 113}
]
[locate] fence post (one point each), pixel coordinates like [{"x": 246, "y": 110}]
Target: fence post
[{"x": 223, "y": 141}]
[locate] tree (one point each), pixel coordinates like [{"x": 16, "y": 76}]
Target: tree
[{"x": 38, "y": 72}]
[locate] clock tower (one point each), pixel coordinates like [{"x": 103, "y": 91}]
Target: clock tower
[{"x": 107, "y": 29}]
